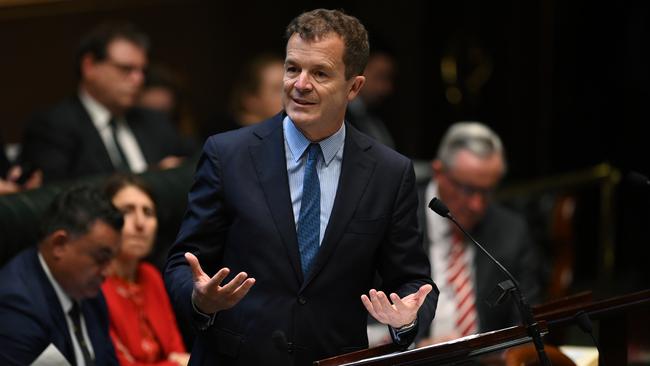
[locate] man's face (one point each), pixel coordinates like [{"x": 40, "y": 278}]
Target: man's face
[
  {"x": 316, "y": 92},
  {"x": 116, "y": 81},
  {"x": 466, "y": 187},
  {"x": 81, "y": 262}
]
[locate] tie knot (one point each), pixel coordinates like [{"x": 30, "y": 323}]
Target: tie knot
[
  {"x": 313, "y": 151},
  {"x": 74, "y": 310}
]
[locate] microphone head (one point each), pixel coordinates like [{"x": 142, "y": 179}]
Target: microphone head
[
  {"x": 439, "y": 207},
  {"x": 638, "y": 179},
  {"x": 584, "y": 322}
]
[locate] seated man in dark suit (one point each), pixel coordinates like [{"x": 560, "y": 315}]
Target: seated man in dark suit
[
  {"x": 469, "y": 165},
  {"x": 51, "y": 307},
  {"x": 99, "y": 130}
]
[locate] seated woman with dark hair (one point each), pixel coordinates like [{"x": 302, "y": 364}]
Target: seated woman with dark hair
[{"x": 142, "y": 323}]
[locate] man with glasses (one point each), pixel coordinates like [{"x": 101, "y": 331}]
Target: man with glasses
[
  {"x": 99, "y": 130},
  {"x": 468, "y": 167}
]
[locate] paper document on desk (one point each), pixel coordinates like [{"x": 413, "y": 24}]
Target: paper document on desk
[
  {"x": 582, "y": 356},
  {"x": 51, "y": 356}
]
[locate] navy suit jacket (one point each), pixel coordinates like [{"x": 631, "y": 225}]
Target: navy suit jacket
[
  {"x": 506, "y": 236},
  {"x": 65, "y": 144},
  {"x": 31, "y": 317},
  {"x": 240, "y": 216}
]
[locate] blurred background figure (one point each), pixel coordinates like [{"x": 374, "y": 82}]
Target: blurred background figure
[
  {"x": 14, "y": 177},
  {"x": 466, "y": 171},
  {"x": 255, "y": 96},
  {"x": 161, "y": 91},
  {"x": 164, "y": 91},
  {"x": 51, "y": 307},
  {"x": 364, "y": 111},
  {"x": 100, "y": 130},
  {"x": 143, "y": 327}
]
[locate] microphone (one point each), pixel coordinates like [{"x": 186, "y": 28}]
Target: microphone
[
  {"x": 584, "y": 323},
  {"x": 509, "y": 286}
]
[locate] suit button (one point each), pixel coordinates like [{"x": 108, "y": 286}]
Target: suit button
[{"x": 302, "y": 300}]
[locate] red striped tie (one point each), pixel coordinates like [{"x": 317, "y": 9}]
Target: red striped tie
[{"x": 459, "y": 278}]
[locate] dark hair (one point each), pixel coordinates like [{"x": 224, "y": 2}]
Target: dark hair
[
  {"x": 250, "y": 79},
  {"x": 77, "y": 209},
  {"x": 97, "y": 40},
  {"x": 318, "y": 23},
  {"x": 119, "y": 181}
]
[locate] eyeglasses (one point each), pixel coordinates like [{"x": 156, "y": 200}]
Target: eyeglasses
[
  {"x": 124, "y": 68},
  {"x": 469, "y": 190}
]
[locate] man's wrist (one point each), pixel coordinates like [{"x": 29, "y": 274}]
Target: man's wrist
[
  {"x": 204, "y": 320},
  {"x": 406, "y": 327}
]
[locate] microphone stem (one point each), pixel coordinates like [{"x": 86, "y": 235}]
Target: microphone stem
[{"x": 532, "y": 327}]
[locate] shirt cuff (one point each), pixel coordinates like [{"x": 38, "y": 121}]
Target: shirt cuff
[
  {"x": 203, "y": 320},
  {"x": 397, "y": 333}
]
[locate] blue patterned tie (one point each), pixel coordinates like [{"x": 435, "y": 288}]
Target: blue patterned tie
[{"x": 309, "y": 219}]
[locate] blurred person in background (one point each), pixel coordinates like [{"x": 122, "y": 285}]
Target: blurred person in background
[
  {"x": 469, "y": 165},
  {"x": 255, "y": 96},
  {"x": 16, "y": 177},
  {"x": 164, "y": 91},
  {"x": 142, "y": 323},
  {"x": 363, "y": 110},
  {"x": 99, "y": 130}
]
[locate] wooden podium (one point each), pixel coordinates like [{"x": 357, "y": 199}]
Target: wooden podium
[{"x": 611, "y": 313}]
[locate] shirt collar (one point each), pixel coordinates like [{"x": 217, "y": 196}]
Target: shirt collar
[
  {"x": 99, "y": 114},
  {"x": 298, "y": 143},
  {"x": 64, "y": 299}
]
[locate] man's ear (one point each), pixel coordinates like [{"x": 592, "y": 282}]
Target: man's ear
[
  {"x": 87, "y": 65},
  {"x": 357, "y": 84},
  {"x": 437, "y": 167},
  {"x": 58, "y": 241}
]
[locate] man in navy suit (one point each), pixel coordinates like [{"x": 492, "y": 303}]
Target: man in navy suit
[
  {"x": 289, "y": 221},
  {"x": 51, "y": 307}
]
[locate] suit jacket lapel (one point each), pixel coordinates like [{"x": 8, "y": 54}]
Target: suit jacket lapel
[
  {"x": 93, "y": 326},
  {"x": 356, "y": 170},
  {"x": 92, "y": 135},
  {"x": 61, "y": 333},
  {"x": 270, "y": 163}
]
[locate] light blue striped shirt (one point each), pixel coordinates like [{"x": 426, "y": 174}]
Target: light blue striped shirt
[{"x": 328, "y": 167}]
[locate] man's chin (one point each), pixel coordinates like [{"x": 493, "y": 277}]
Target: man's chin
[{"x": 300, "y": 118}]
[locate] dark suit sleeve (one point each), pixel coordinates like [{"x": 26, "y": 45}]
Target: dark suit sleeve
[
  {"x": 202, "y": 232},
  {"x": 528, "y": 266},
  {"x": 404, "y": 266},
  {"x": 48, "y": 145},
  {"x": 22, "y": 335}
]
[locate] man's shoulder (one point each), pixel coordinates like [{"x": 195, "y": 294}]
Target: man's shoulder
[
  {"x": 67, "y": 112},
  {"x": 19, "y": 279},
  {"x": 504, "y": 214},
  {"x": 253, "y": 133},
  {"x": 504, "y": 222},
  {"x": 375, "y": 148}
]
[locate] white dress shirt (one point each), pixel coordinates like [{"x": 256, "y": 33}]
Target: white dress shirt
[
  {"x": 439, "y": 230},
  {"x": 129, "y": 144},
  {"x": 66, "y": 305}
]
